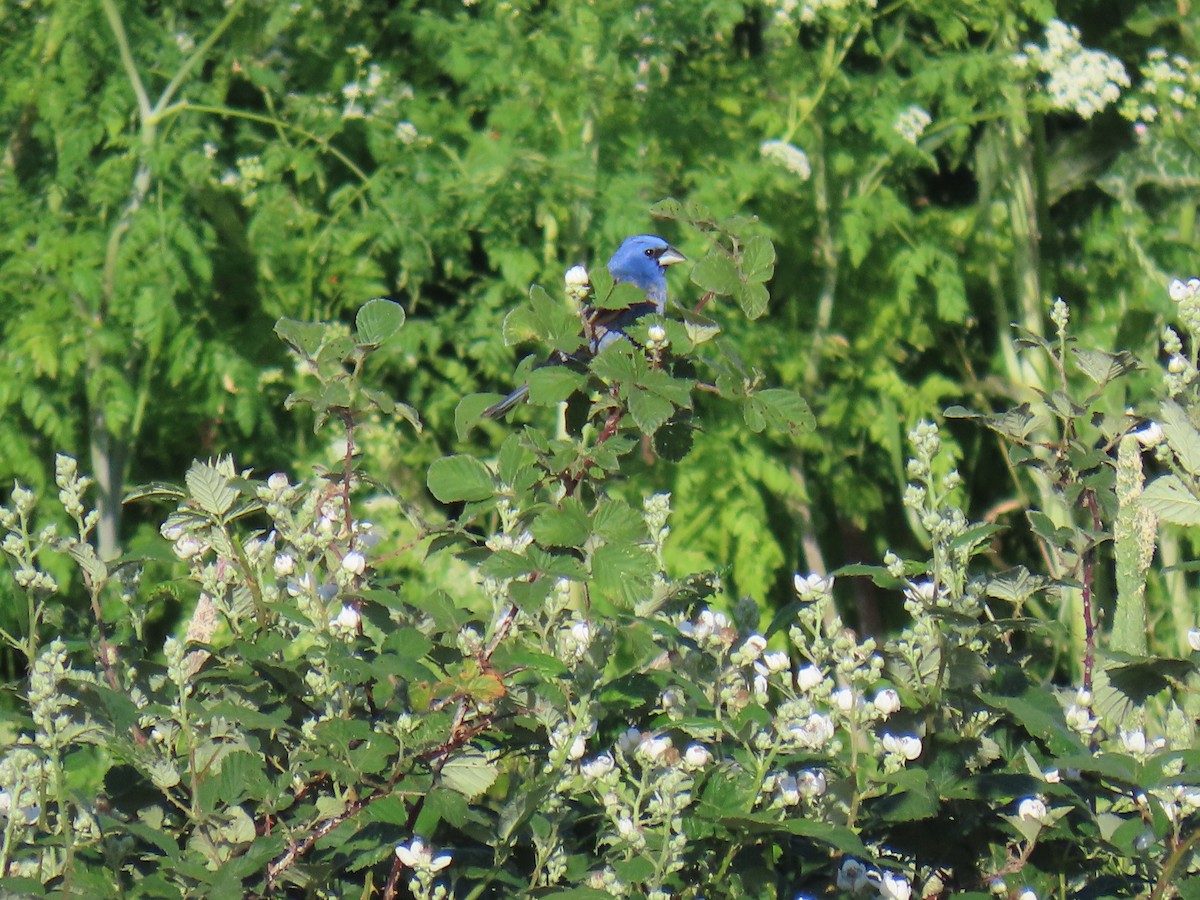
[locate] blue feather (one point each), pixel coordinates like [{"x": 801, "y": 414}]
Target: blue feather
[{"x": 641, "y": 260}]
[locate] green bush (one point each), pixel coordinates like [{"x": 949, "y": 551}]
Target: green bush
[
  {"x": 575, "y": 656},
  {"x": 550, "y": 711}
]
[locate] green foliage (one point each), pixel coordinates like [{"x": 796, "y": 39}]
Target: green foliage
[{"x": 290, "y": 695}]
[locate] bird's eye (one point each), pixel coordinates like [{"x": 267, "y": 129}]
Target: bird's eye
[{"x": 650, "y": 253}]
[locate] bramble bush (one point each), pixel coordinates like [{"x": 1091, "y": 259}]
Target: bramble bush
[{"x": 546, "y": 710}]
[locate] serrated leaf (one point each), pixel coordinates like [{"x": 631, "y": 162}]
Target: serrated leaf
[
  {"x": 1168, "y": 499},
  {"x": 621, "y": 571},
  {"x": 469, "y": 773},
  {"x": 378, "y": 320},
  {"x": 566, "y": 526},
  {"x": 459, "y": 477},
  {"x": 305, "y": 337},
  {"x": 667, "y": 208},
  {"x": 715, "y": 272},
  {"x": 649, "y": 411},
  {"x": 752, "y": 298},
  {"x": 782, "y": 410},
  {"x": 758, "y": 259},
  {"x": 155, "y": 490},
  {"x": 1182, "y": 435},
  {"x": 699, "y": 329},
  {"x": 618, "y": 363},
  {"x": 210, "y": 488},
  {"x": 550, "y": 385},
  {"x": 675, "y": 439},
  {"x": 617, "y": 522},
  {"x": 1103, "y": 367},
  {"x": 622, "y": 295},
  {"x": 87, "y": 559}
]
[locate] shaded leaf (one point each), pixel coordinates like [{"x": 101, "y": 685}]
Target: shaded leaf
[{"x": 460, "y": 477}]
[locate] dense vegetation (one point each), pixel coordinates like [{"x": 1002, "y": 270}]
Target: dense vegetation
[{"x": 936, "y": 337}]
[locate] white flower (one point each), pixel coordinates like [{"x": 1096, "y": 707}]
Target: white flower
[
  {"x": 652, "y": 748},
  {"x": 1082, "y": 80},
  {"x": 406, "y": 132},
  {"x": 626, "y": 827},
  {"x": 813, "y": 733},
  {"x": 1052, "y": 776},
  {"x": 597, "y": 767},
  {"x": 812, "y": 783},
  {"x": 285, "y": 565},
  {"x": 760, "y": 687},
  {"x": 894, "y": 887},
  {"x": 577, "y": 276},
  {"x": 1193, "y": 638},
  {"x": 1134, "y": 741},
  {"x": 189, "y": 546},
  {"x": 787, "y": 790},
  {"x": 887, "y": 701},
  {"x": 697, "y": 756},
  {"x": 581, "y": 632},
  {"x": 812, "y": 587},
  {"x": 278, "y": 481},
  {"x": 416, "y": 854},
  {"x": 809, "y": 677},
  {"x": 578, "y": 748},
  {"x": 787, "y": 155},
  {"x": 629, "y": 740},
  {"x": 657, "y": 333},
  {"x": 776, "y": 661},
  {"x": 753, "y": 647},
  {"x": 843, "y": 699},
  {"x": 354, "y": 562},
  {"x": 1179, "y": 291},
  {"x": 853, "y": 876},
  {"x": 347, "y": 619},
  {"x": 1027, "y": 894},
  {"x": 911, "y": 124},
  {"x": 904, "y": 745},
  {"x": 1031, "y": 809}
]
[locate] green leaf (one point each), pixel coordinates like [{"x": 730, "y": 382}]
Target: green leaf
[
  {"x": 1168, "y": 498},
  {"x": 621, "y": 571},
  {"x": 1103, "y": 367},
  {"x": 551, "y": 385},
  {"x": 752, "y": 298},
  {"x": 1181, "y": 435},
  {"x": 89, "y": 562},
  {"x": 469, "y": 773},
  {"x": 700, "y": 329},
  {"x": 617, "y": 522},
  {"x": 648, "y": 410},
  {"x": 210, "y": 488},
  {"x": 715, "y": 272},
  {"x": 758, "y": 259},
  {"x": 378, "y": 320},
  {"x": 460, "y": 477},
  {"x": 567, "y": 526},
  {"x": 780, "y": 409},
  {"x": 470, "y": 410},
  {"x": 305, "y": 337},
  {"x": 667, "y": 208},
  {"x": 622, "y": 296}
]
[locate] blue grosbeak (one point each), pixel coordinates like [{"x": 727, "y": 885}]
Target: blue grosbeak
[{"x": 642, "y": 261}]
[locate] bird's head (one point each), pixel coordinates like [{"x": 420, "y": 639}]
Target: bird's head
[{"x": 642, "y": 260}]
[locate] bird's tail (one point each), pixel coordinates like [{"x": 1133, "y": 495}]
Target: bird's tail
[{"x": 496, "y": 410}]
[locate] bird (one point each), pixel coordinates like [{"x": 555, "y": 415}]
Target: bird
[{"x": 642, "y": 261}]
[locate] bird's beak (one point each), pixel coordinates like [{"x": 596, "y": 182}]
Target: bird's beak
[{"x": 670, "y": 256}]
